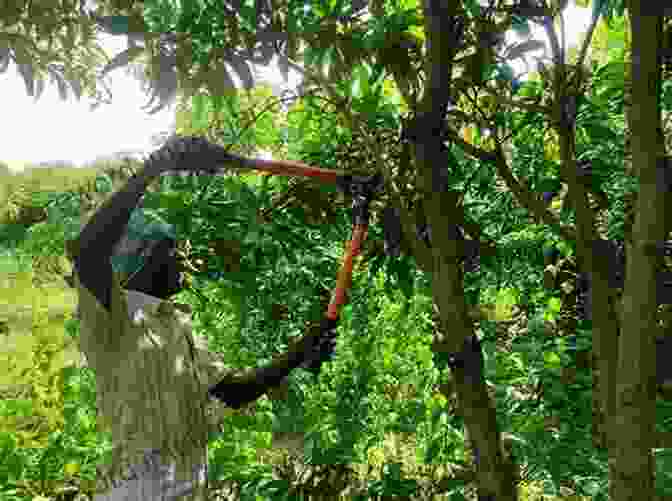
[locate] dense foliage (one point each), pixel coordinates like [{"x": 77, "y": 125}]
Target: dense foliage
[{"x": 381, "y": 417}]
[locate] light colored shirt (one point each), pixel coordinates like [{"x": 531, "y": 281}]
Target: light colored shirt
[{"x": 152, "y": 378}]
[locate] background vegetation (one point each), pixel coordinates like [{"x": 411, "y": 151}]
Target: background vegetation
[{"x": 377, "y": 422}]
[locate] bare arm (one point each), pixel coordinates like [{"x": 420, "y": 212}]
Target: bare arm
[
  {"x": 237, "y": 390},
  {"x": 94, "y": 246}
]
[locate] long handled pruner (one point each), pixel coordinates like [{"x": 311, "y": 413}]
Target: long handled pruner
[
  {"x": 361, "y": 188},
  {"x": 180, "y": 153}
]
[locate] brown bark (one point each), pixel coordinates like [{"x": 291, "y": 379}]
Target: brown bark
[
  {"x": 631, "y": 464},
  {"x": 443, "y": 209}
]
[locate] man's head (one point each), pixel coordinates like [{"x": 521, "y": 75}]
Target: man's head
[
  {"x": 147, "y": 259},
  {"x": 158, "y": 271}
]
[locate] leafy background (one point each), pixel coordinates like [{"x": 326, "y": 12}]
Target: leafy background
[{"x": 265, "y": 253}]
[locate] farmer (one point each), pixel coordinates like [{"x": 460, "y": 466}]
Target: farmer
[{"x": 154, "y": 379}]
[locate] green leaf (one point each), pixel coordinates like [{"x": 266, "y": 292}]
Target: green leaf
[
  {"x": 118, "y": 25},
  {"x": 199, "y": 114},
  {"x": 521, "y": 26},
  {"x": 552, "y": 359},
  {"x": 360, "y": 82}
]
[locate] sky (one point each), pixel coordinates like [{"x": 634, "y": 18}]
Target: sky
[{"x": 52, "y": 129}]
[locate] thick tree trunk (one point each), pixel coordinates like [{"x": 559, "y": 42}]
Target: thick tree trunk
[
  {"x": 631, "y": 462},
  {"x": 445, "y": 29},
  {"x": 159, "y": 480}
]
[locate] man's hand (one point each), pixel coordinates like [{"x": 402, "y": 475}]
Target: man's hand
[
  {"x": 310, "y": 352},
  {"x": 319, "y": 347}
]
